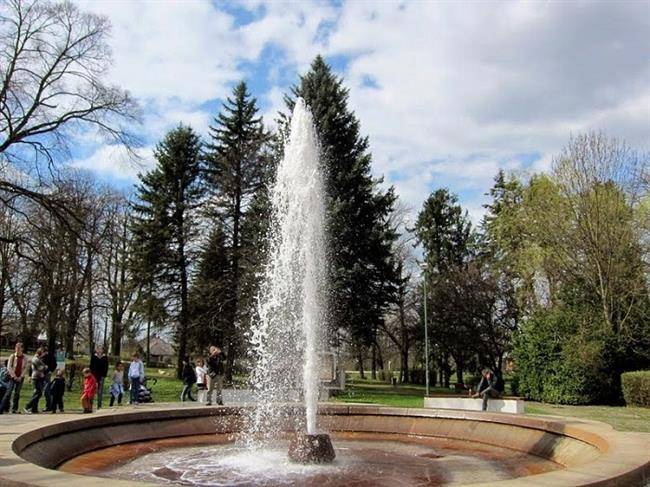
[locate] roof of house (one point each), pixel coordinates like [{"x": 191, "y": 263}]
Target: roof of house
[{"x": 158, "y": 346}]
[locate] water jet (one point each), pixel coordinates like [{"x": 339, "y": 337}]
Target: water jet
[{"x": 288, "y": 333}]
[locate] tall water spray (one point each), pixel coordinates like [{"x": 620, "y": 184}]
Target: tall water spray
[{"x": 287, "y": 335}]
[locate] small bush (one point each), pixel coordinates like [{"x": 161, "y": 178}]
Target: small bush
[{"x": 636, "y": 388}]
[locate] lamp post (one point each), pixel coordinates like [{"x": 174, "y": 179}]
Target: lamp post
[{"x": 426, "y": 326}]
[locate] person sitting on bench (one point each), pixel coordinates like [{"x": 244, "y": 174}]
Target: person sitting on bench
[{"x": 488, "y": 388}]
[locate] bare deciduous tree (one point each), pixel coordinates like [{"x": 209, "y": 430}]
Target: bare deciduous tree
[
  {"x": 603, "y": 184},
  {"x": 53, "y": 64}
]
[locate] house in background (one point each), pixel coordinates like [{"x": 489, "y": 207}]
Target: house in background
[{"x": 161, "y": 352}]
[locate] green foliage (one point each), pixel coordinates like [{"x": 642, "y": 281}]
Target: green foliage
[
  {"x": 364, "y": 276},
  {"x": 458, "y": 275},
  {"x": 574, "y": 243},
  {"x": 164, "y": 226},
  {"x": 558, "y": 362},
  {"x": 209, "y": 293},
  {"x": 445, "y": 232},
  {"x": 237, "y": 165},
  {"x": 636, "y": 388}
]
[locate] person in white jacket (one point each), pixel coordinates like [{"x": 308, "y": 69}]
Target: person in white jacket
[
  {"x": 136, "y": 377},
  {"x": 201, "y": 380}
]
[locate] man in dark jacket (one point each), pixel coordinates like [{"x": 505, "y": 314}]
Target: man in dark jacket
[
  {"x": 487, "y": 388},
  {"x": 189, "y": 379},
  {"x": 99, "y": 368},
  {"x": 216, "y": 373},
  {"x": 49, "y": 359}
]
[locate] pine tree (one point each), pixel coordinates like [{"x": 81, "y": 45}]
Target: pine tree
[
  {"x": 444, "y": 231},
  {"x": 499, "y": 231},
  {"x": 164, "y": 226},
  {"x": 363, "y": 277},
  {"x": 236, "y": 166},
  {"x": 210, "y": 293}
]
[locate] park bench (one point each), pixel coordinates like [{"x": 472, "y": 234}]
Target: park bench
[{"x": 506, "y": 404}]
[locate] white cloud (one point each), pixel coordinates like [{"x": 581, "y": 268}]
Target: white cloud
[
  {"x": 171, "y": 49},
  {"x": 113, "y": 161},
  {"x": 459, "y": 90},
  {"x": 447, "y": 91}
]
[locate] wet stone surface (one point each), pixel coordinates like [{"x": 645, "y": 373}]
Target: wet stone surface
[{"x": 361, "y": 460}]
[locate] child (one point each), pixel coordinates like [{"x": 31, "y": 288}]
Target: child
[
  {"x": 56, "y": 390},
  {"x": 90, "y": 388},
  {"x": 117, "y": 384},
  {"x": 201, "y": 374}
]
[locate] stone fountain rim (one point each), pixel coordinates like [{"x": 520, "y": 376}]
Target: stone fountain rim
[{"x": 623, "y": 458}]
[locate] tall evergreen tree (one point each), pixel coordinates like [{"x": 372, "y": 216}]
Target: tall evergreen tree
[
  {"x": 444, "y": 230},
  {"x": 209, "y": 294},
  {"x": 164, "y": 226},
  {"x": 236, "y": 166},
  {"x": 364, "y": 276}
]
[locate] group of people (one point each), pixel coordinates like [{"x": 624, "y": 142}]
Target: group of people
[
  {"x": 46, "y": 378},
  {"x": 95, "y": 377},
  {"x": 208, "y": 376}
]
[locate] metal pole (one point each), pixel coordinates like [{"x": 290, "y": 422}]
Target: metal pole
[{"x": 426, "y": 334}]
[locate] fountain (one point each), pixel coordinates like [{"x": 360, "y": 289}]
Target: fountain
[
  {"x": 247, "y": 445},
  {"x": 287, "y": 335}
]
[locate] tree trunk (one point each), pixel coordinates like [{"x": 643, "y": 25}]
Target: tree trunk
[
  {"x": 235, "y": 277},
  {"x": 447, "y": 371},
  {"x": 380, "y": 357},
  {"x": 148, "y": 348},
  {"x": 184, "y": 316},
  {"x": 91, "y": 325},
  {"x": 360, "y": 365},
  {"x": 150, "y": 313},
  {"x": 230, "y": 362},
  {"x": 459, "y": 370},
  {"x": 404, "y": 372},
  {"x": 373, "y": 362},
  {"x": 116, "y": 336},
  {"x": 3, "y": 286}
]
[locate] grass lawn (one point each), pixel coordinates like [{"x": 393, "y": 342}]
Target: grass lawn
[
  {"x": 621, "y": 418},
  {"x": 168, "y": 388},
  {"x": 372, "y": 392}
]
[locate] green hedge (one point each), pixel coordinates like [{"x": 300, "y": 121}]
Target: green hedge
[
  {"x": 636, "y": 388},
  {"x": 556, "y": 363}
]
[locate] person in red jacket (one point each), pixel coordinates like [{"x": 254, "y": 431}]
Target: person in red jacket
[{"x": 89, "y": 390}]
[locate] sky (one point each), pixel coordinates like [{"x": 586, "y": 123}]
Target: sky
[{"x": 448, "y": 92}]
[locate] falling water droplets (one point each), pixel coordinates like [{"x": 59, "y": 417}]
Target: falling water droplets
[{"x": 286, "y": 337}]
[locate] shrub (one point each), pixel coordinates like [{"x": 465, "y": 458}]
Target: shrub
[
  {"x": 556, "y": 363},
  {"x": 636, "y": 388}
]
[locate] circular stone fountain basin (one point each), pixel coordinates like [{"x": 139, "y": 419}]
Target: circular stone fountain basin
[
  {"x": 374, "y": 446},
  {"x": 362, "y": 459}
]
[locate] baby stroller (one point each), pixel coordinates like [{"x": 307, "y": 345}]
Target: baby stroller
[{"x": 144, "y": 395}]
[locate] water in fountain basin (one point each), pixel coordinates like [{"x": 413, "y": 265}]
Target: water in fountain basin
[{"x": 286, "y": 336}]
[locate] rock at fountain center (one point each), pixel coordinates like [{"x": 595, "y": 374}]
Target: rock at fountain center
[{"x": 306, "y": 448}]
